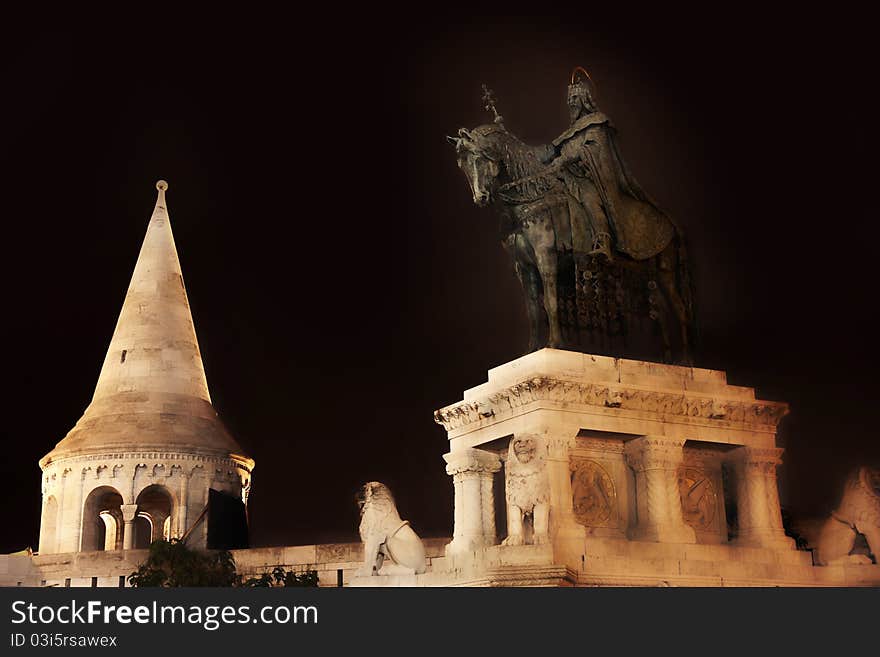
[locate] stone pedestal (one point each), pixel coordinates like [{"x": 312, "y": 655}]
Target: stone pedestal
[{"x": 616, "y": 433}]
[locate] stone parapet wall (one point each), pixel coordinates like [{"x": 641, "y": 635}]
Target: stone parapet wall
[
  {"x": 606, "y": 562},
  {"x": 327, "y": 559},
  {"x": 109, "y": 566}
]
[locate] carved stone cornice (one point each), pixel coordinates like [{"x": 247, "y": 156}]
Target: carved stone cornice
[
  {"x": 763, "y": 415},
  {"x": 154, "y": 457},
  {"x": 474, "y": 461}
]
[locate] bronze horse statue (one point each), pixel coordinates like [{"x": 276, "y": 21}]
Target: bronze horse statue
[{"x": 539, "y": 218}]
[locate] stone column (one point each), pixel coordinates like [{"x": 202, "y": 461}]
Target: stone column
[
  {"x": 655, "y": 461},
  {"x": 129, "y": 511},
  {"x": 73, "y": 537},
  {"x": 487, "y": 508},
  {"x": 757, "y": 498},
  {"x": 472, "y": 473},
  {"x": 59, "y": 526},
  {"x": 562, "y": 520},
  {"x": 182, "y": 504}
]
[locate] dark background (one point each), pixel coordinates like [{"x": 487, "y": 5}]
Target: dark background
[{"x": 342, "y": 283}]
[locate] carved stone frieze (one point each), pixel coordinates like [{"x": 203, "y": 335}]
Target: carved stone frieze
[
  {"x": 498, "y": 404},
  {"x": 614, "y": 446}
]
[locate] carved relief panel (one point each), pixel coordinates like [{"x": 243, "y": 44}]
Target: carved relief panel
[
  {"x": 600, "y": 486},
  {"x": 594, "y": 499},
  {"x": 699, "y": 501},
  {"x": 702, "y": 495}
]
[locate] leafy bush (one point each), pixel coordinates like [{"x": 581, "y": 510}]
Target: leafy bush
[
  {"x": 172, "y": 563},
  {"x": 281, "y": 577}
]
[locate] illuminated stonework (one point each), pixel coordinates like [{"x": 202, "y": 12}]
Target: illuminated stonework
[{"x": 140, "y": 462}]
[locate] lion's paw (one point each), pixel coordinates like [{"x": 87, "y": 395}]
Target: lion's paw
[{"x": 512, "y": 540}]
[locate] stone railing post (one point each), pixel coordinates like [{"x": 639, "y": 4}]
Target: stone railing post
[
  {"x": 656, "y": 461},
  {"x": 472, "y": 472},
  {"x": 757, "y": 498}
]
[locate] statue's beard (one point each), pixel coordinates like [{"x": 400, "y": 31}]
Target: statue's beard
[{"x": 581, "y": 110}]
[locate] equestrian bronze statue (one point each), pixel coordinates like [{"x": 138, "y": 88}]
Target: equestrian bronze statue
[{"x": 603, "y": 268}]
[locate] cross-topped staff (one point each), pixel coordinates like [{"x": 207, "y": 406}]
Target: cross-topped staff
[{"x": 489, "y": 99}]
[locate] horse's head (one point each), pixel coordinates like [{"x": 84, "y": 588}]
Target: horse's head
[{"x": 479, "y": 158}]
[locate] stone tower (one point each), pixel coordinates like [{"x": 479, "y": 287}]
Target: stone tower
[{"x": 142, "y": 460}]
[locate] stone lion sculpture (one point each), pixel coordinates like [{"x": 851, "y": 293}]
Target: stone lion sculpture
[
  {"x": 386, "y": 536},
  {"x": 528, "y": 490},
  {"x": 858, "y": 513}
]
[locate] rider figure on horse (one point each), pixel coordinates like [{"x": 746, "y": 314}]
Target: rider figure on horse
[{"x": 608, "y": 209}]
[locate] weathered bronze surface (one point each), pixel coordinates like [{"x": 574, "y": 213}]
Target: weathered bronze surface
[{"x": 603, "y": 268}]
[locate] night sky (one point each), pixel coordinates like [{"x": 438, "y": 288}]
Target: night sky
[{"x": 342, "y": 283}]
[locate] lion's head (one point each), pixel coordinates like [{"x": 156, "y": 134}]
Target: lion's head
[
  {"x": 374, "y": 493},
  {"x": 523, "y": 448},
  {"x": 377, "y": 507},
  {"x": 525, "y": 475}
]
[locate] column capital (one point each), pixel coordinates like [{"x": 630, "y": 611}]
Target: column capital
[
  {"x": 763, "y": 459},
  {"x": 558, "y": 446},
  {"x": 472, "y": 460},
  {"x": 129, "y": 511},
  {"x": 654, "y": 452}
]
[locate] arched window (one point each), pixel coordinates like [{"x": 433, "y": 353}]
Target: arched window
[
  {"x": 102, "y": 506},
  {"x": 155, "y": 506},
  {"x": 143, "y": 531}
]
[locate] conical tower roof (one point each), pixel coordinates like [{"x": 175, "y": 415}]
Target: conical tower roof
[{"x": 152, "y": 393}]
